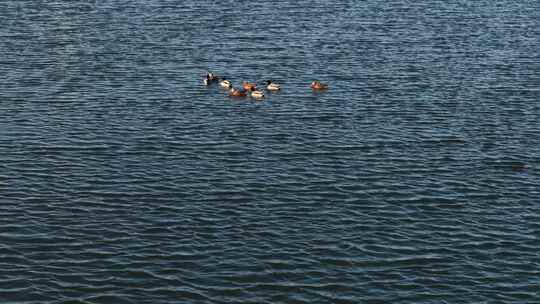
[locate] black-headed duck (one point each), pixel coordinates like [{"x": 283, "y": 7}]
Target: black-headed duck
[
  {"x": 226, "y": 83},
  {"x": 257, "y": 94},
  {"x": 272, "y": 86}
]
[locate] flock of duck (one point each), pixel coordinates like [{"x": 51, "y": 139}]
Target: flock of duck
[{"x": 251, "y": 88}]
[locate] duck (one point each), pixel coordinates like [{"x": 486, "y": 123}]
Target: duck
[
  {"x": 257, "y": 94},
  {"x": 272, "y": 86},
  {"x": 249, "y": 86},
  {"x": 211, "y": 76},
  {"x": 317, "y": 85},
  {"x": 226, "y": 84},
  {"x": 234, "y": 92}
]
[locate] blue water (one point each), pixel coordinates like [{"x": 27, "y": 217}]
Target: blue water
[{"x": 414, "y": 179}]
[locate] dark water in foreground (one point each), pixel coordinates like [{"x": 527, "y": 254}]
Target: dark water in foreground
[{"x": 415, "y": 179}]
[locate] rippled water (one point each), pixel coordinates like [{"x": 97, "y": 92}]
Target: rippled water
[{"x": 414, "y": 179}]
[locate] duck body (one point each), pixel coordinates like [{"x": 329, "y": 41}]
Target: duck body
[
  {"x": 257, "y": 94},
  {"x": 211, "y": 76},
  {"x": 272, "y": 86},
  {"x": 226, "y": 84},
  {"x": 234, "y": 92},
  {"x": 249, "y": 86},
  {"x": 317, "y": 85}
]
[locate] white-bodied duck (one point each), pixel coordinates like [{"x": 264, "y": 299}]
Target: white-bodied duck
[
  {"x": 272, "y": 86},
  {"x": 257, "y": 94},
  {"x": 226, "y": 83}
]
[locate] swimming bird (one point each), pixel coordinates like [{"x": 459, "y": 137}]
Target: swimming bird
[
  {"x": 272, "y": 86},
  {"x": 211, "y": 76},
  {"x": 234, "y": 92},
  {"x": 317, "y": 85},
  {"x": 257, "y": 94},
  {"x": 207, "y": 80},
  {"x": 249, "y": 86},
  {"x": 225, "y": 83}
]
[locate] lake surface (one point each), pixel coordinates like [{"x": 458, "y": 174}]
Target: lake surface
[{"x": 414, "y": 179}]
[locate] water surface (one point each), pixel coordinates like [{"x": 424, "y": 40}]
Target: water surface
[{"x": 414, "y": 179}]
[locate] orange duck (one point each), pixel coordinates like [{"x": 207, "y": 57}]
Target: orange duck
[
  {"x": 317, "y": 85},
  {"x": 234, "y": 92},
  {"x": 249, "y": 86}
]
